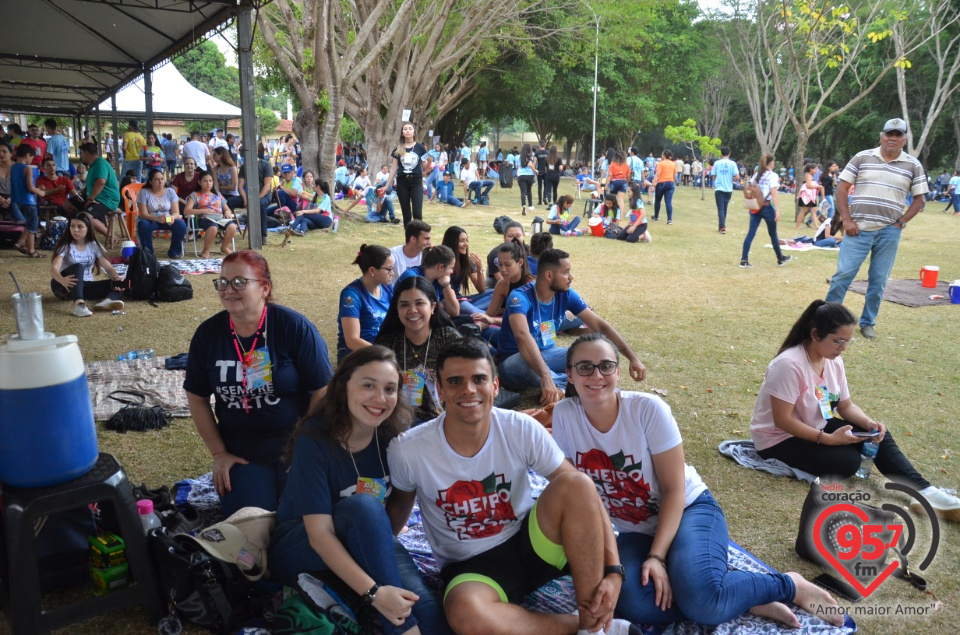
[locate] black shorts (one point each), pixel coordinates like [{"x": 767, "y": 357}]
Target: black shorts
[
  {"x": 514, "y": 568},
  {"x": 98, "y": 211}
]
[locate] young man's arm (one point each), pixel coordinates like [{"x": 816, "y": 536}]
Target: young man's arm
[{"x": 399, "y": 505}]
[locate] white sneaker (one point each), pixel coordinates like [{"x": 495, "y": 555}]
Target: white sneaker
[
  {"x": 108, "y": 305},
  {"x": 81, "y": 310},
  {"x": 944, "y": 502}
]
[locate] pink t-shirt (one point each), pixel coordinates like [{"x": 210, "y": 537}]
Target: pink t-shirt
[{"x": 791, "y": 378}]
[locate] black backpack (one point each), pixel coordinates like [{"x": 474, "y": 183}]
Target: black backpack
[
  {"x": 500, "y": 223},
  {"x": 142, "y": 274},
  {"x": 172, "y": 286}
]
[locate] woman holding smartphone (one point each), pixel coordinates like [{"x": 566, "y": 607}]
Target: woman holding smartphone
[{"x": 804, "y": 415}]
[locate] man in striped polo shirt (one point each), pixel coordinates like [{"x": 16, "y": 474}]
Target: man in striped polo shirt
[{"x": 873, "y": 218}]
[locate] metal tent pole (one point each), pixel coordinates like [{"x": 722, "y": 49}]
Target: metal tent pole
[{"x": 248, "y": 122}]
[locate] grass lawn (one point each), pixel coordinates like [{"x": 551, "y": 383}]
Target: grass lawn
[{"x": 705, "y": 329}]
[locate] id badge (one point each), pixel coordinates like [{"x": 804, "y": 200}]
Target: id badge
[
  {"x": 823, "y": 398},
  {"x": 375, "y": 486},
  {"x": 413, "y": 383},
  {"x": 260, "y": 371},
  {"x": 548, "y": 333}
]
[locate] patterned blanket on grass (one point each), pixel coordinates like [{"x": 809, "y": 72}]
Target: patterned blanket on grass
[
  {"x": 558, "y": 595},
  {"x": 186, "y": 267},
  {"x": 147, "y": 377}
]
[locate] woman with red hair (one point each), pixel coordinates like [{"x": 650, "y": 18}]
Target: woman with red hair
[{"x": 265, "y": 365}]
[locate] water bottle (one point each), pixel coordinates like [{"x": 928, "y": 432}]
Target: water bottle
[
  {"x": 336, "y": 224},
  {"x": 868, "y": 452},
  {"x": 148, "y": 518},
  {"x": 145, "y": 353}
]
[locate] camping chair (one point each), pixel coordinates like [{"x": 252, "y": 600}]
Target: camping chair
[{"x": 193, "y": 229}]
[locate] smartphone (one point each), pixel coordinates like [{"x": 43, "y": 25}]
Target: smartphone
[
  {"x": 835, "y": 585},
  {"x": 865, "y": 434}
]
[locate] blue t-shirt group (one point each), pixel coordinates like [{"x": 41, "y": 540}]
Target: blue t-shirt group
[
  {"x": 357, "y": 302},
  {"x": 543, "y": 320}
]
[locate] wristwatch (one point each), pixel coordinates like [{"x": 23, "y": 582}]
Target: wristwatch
[
  {"x": 371, "y": 594},
  {"x": 900, "y": 224},
  {"x": 615, "y": 568}
]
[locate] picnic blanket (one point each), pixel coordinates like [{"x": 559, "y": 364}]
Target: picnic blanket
[
  {"x": 186, "y": 267},
  {"x": 908, "y": 292},
  {"x": 148, "y": 377},
  {"x": 792, "y": 246},
  {"x": 556, "y": 596},
  {"x": 745, "y": 453}
]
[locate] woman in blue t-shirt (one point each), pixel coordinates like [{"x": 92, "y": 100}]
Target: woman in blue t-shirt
[
  {"x": 265, "y": 365},
  {"x": 364, "y": 302},
  {"x": 318, "y": 213},
  {"x": 332, "y": 515}
]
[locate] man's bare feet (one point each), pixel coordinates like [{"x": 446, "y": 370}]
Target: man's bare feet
[
  {"x": 815, "y": 600},
  {"x": 778, "y": 612}
]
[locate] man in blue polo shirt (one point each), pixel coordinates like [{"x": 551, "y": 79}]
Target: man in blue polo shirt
[
  {"x": 726, "y": 172},
  {"x": 529, "y": 355}
]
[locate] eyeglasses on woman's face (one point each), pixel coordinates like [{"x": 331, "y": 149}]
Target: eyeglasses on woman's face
[
  {"x": 585, "y": 369},
  {"x": 239, "y": 283}
]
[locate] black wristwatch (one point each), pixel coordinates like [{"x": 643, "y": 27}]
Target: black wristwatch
[
  {"x": 615, "y": 568},
  {"x": 371, "y": 594},
  {"x": 900, "y": 223}
]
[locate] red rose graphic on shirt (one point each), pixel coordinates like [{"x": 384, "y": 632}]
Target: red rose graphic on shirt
[
  {"x": 620, "y": 483},
  {"x": 477, "y": 509}
]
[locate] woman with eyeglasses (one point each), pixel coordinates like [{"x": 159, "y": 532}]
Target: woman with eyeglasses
[
  {"x": 673, "y": 536},
  {"x": 365, "y": 301},
  {"x": 265, "y": 365},
  {"x": 804, "y": 415}
]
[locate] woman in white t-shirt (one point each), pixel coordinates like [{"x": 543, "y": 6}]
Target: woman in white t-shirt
[
  {"x": 672, "y": 533},
  {"x": 804, "y": 415},
  {"x": 768, "y": 181},
  {"x": 77, "y": 256}
]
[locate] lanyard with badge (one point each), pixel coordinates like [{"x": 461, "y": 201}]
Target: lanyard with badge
[
  {"x": 548, "y": 330},
  {"x": 369, "y": 484},
  {"x": 414, "y": 381}
]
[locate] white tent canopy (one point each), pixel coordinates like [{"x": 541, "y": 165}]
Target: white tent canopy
[{"x": 173, "y": 97}]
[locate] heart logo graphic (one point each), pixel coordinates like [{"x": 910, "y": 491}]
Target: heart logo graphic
[{"x": 832, "y": 559}]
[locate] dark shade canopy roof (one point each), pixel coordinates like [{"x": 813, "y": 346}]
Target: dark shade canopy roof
[{"x": 67, "y": 56}]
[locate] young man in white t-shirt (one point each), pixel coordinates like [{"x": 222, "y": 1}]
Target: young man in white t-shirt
[
  {"x": 493, "y": 542},
  {"x": 410, "y": 253}
]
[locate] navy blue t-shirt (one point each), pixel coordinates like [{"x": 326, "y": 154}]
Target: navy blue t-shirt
[
  {"x": 284, "y": 372},
  {"x": 322, "y": 474},
  {"x": 356, "y": 302},
  {"x": 418, "y": 271},
  {"x": 543, "y": 320}
]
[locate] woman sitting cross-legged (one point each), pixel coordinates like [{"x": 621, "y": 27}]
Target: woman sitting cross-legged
[
  {"x": 332, "y": 514},
  {"x": 558, "y": 219},
  {"x": 416, "y": 327},
  {"x": 317, "y": 214},
  {"x": 212, "y": 213},
  {"x": 673, "y": 535},
  {"x": 805, "y": 417}
]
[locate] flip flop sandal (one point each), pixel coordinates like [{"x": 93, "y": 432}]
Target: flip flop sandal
[
  {"x": 33, "y": 254},
  {"x": 21, "y": 248}
]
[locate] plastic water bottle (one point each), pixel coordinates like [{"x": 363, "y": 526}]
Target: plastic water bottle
[
  {"x": 145, "y": 353},
  {"x": 148, "y": 518},
  {"x": 868, "y": 452},
  {"x": 336, "y": 224}
]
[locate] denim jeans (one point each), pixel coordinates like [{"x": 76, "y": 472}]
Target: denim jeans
[
  {"x": 768, "y": 215},
  {"x": 704, "y": 591},
  {"x": 482, "y": 188},
  {"x": 409, "y": 191},
  {"x": 28, "y": 214},
  {"x": 664, "y": 192},
  {"x": 264, "y": 205},
  {"x": 723, "y": 202},
  {"x": 136, "y": 166},
  {"x": 362, "y": 525},
  {"x": 254, "y": 485},
  {"x": 558, "y": 230},
  {"x": 178, "y": 229},
  {"x": 829, "y": 200},
  {"x": 516, "y": 375},
  {"x": 881, "y": 245},
  {"x": 451, "y": 200},
  {"x": 432, "y": 181},
  {"x": 311, "y": 221}
]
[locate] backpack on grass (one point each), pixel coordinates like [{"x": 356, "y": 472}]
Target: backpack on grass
[
  {"x": 172, "y": 286},
  {"x": 142, "y": 274},
  {"x": 500, "y": 223}
]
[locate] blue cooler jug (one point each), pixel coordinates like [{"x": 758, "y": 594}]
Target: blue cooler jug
[{"x": 47, "y": 432}]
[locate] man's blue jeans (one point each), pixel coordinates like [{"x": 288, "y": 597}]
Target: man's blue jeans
[
  {"x": 136, "y": 166},
  {"x": 881, "y": 245},
  {"x": 432, "y": 181},
  {"x": 451, "y": 200},
  {"x": 481, "y": 188},
  {"x": 363, "y": 527},
  {"x": 723, "y": 202},
  {"x": 704, "y": 591},
  {"x": 516, "y": 375}
]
